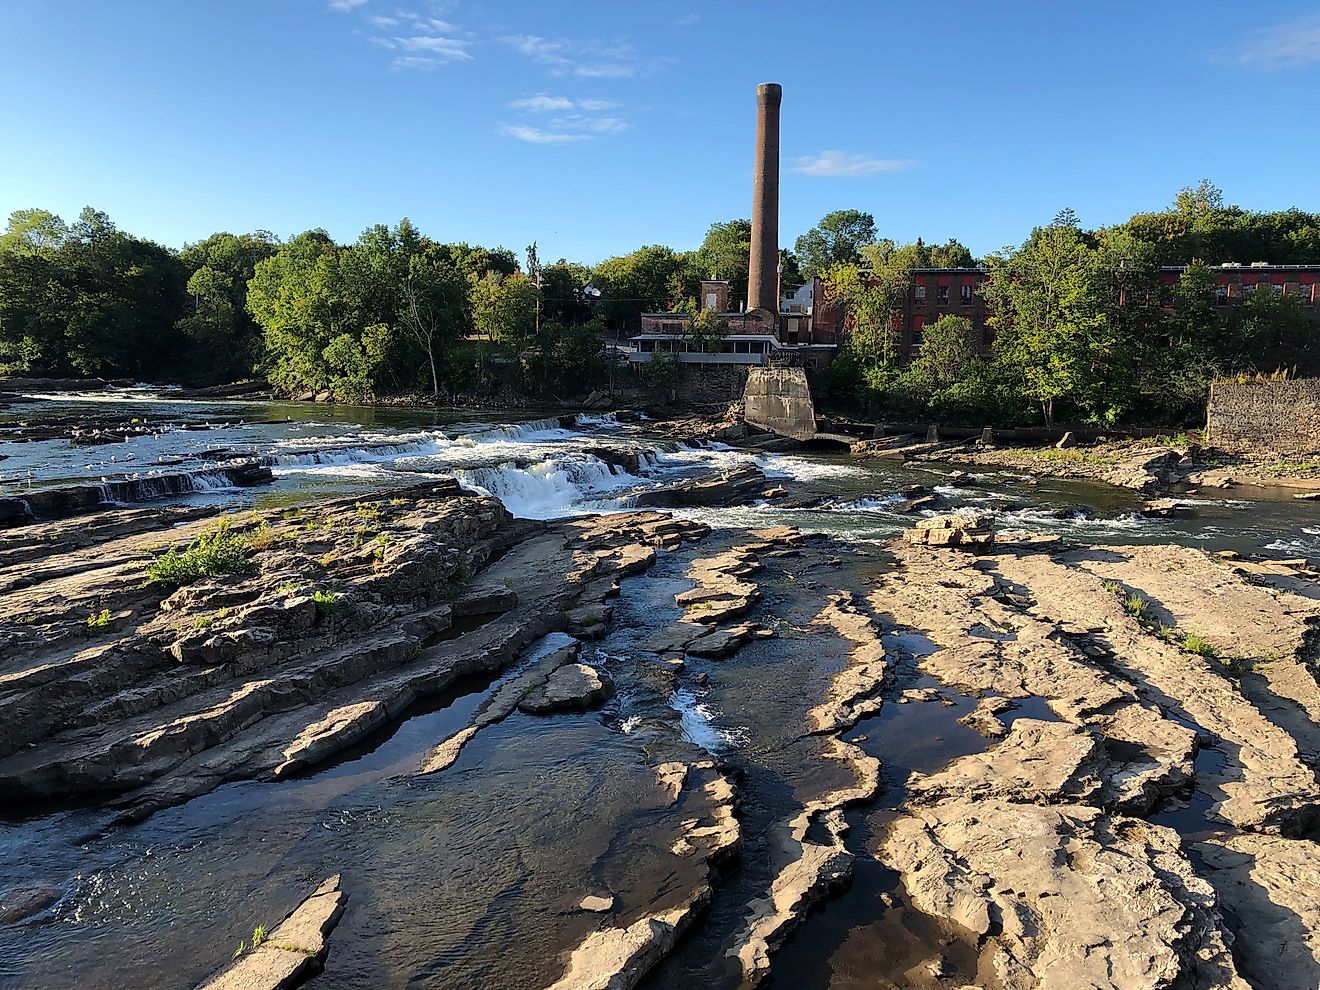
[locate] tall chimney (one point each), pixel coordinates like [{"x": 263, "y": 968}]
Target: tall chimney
[{"x": 763, "y": 277}]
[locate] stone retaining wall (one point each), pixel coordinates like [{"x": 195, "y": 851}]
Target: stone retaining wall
[
  {"x": 1270, "y": 418},
  {"x": 710, "y": 383},
  {"x": 779, "y": 399}
]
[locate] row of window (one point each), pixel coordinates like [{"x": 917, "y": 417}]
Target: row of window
[
  {"x": 685, "y": 347},
  {"x": 1307, "y": 292},
  {"x": 942, "y": 294}
]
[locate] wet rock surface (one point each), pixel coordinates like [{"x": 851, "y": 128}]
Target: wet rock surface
[
  {"x": 626, "y": 751},
  {"x": 293, "y": 952}
]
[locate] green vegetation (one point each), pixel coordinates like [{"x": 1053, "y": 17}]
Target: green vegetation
[
  {"x": 1085, "y": 325},
  {"x": 99, "y": 621},
  {"x": 215, "y": 552},
  {"x": 263, "y": 537},
  {"x": 1135, "y": 605},
  {"x": 327, "y": 603},
  {"x": 1198, "y": 644}
]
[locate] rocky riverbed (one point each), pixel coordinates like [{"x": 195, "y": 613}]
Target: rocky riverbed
[{"x": 397, "y": 734}]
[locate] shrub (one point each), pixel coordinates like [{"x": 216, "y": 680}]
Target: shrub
[
  {"x": 327, "y": 603},
  {"x": 98, "y": 621},
  {"x": 213, "y": 553},
  {"x": 1198, "y": 644}
]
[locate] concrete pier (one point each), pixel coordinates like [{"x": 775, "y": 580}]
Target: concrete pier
[{"x": 779, "y": 399}]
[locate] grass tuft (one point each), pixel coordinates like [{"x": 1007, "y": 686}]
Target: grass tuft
[{"x": 1198, "y": 644}]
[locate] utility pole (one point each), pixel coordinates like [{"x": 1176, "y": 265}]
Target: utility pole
[{"x": 534, "y": 270}]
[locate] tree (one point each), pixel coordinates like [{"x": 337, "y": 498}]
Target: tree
[
  {"x": 948, "y": 349},
  {"x": 298, "y": 298},
  {"x": 1053, "y": 302},
  {"x": 837, "y": 239},
  {"x": 651, "y": 279},
  {"x": 122, "y": 298},
  {"x": 33, "y": 231},
  {"x": 504, "y": 308},
  {"x": 223, "y": 339},
  {"x": 564, "y": 292},
  {"x": 433, "y": 296},
  {"x": 726, "y": 254}
]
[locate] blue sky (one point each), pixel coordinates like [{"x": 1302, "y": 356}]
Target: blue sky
[{"x": 596, "y": 127}]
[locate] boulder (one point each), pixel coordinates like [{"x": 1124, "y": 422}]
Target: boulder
[
  {"x": 572, "y": 686},
  {"x": 958, "y": 529}
]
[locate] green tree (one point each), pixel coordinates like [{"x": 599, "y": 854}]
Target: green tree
[
  {"x": 298, "y": 297},
  {"x": 224, "y": 342},
  {"x": 948, "y": 349},
  {"x": 726, "y": 254},
  {"x": 1053, "y": 301},
  {"x": 122, "y": 298},
  {"x": 837, "y": 239},
  {"x": 504, "y": 308},
  {"x": 651, "y": 279},
  {"x": 564, "y": 292}
]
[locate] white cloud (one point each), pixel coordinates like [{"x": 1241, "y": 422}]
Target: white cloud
[
  {"x": 586, "y": 59},
  {"x": 535, "y": 135},
  {"x": 847, "y": 165},
  {"x": 576, "y": 120},
  {"x": 543, "y": 102},
  {"x": 438, "y": 47},
  {"x": 605, "y": 70},
  {"x": 541, "y": 49},
  {"x": 380, "y": 21},
  {"x": 607, "y": 125},
  {"x": 546, "y": 103},
  {"x": 417, "y": 62},
  {"x": 344, "y": 6},
  {"x": 1290, "y": 45}
]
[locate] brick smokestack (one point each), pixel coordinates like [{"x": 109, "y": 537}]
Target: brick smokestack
[{"x": 763, "y": 278}]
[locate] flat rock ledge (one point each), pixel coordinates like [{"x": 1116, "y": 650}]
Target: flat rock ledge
[
  {"x": 291, "y": 954},
  {"x": 617, "y": 957},
  {"x": 1065, "y": 896}
]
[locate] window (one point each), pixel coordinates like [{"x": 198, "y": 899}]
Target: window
[
  {"x": 966, "y": 294},
  {"x": 920, "y": 293},
  {"x": 944, "y": 295},
  {"x": 918, "y": 330},
  {"x": 711, "y": 300},
  {"x": 1276, "y": 288},
  {"x": 1304, "y": 291},
  {"x": 1221, "y": 295},
  {"x": 1249, "y": 289}
]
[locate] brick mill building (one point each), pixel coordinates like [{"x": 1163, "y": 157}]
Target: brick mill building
[{"x": 936, "y": 292}]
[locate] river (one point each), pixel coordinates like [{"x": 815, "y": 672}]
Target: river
[{"x": 467, "y": 878}]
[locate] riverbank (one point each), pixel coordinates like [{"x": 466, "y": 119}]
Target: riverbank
[
  {"x": 463, "y": 706},
  {"x": 1146, "y": 720}
]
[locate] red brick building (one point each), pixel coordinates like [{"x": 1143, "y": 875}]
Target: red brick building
[
  {"x": 1234, "y": 282},
  {"x": 936, "y": 292}
]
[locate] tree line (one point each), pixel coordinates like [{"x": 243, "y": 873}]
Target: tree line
[{"x": 1084, "y": 327}]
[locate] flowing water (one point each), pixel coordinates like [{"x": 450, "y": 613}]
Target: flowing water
[{"x": 470, "y": 877}]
